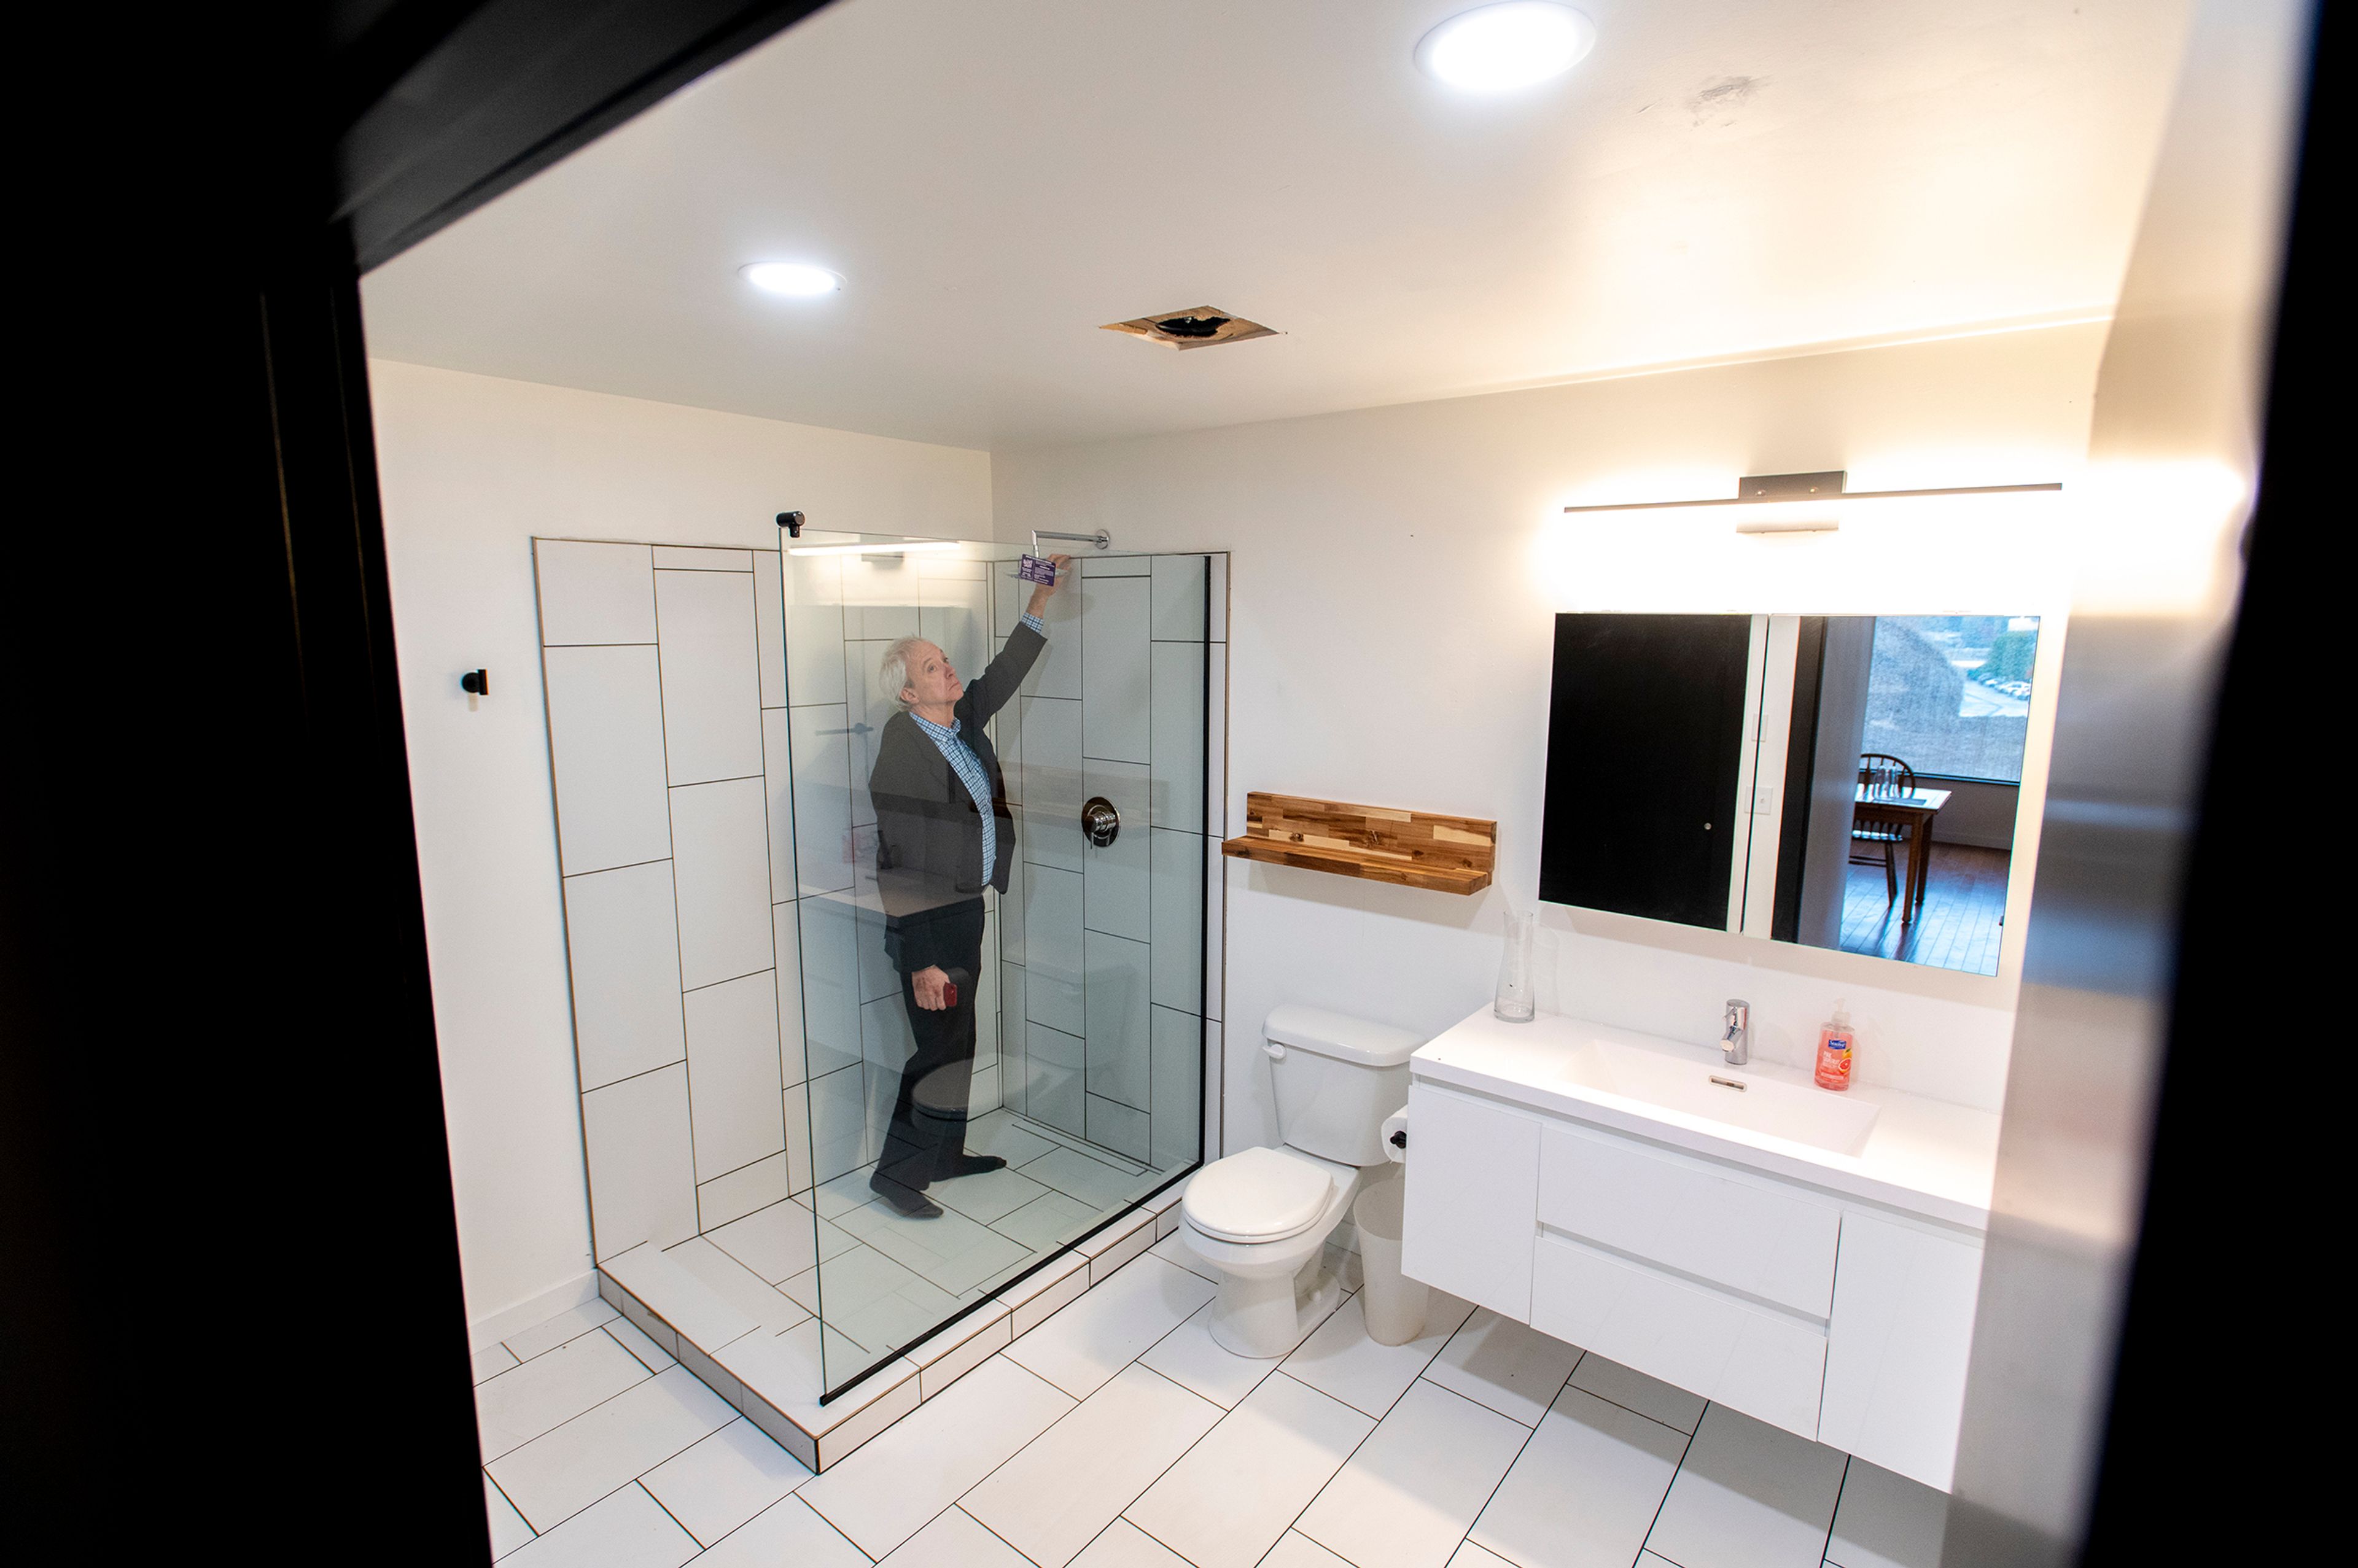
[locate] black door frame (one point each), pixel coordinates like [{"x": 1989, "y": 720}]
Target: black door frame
[
  {"x": 233, "y": 1302},
  {"x": 228, "y": 1210},
  {"x": 2239, "y": 1227}
]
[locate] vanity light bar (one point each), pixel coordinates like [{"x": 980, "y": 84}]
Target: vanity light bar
[
  {"x": 908, "y": 547},
  {"x": 1797, "y": 526},
  {"x": 1759, "y": 488}
]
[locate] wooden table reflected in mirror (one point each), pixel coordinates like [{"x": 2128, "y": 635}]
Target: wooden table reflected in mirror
[
  {"x": 1914, "y": 812},
  {"x": 1953, "y": 915}
]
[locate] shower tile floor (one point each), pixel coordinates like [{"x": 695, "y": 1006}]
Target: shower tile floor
[
  {"x": 1117, "y": 1435},
  {"x": 887, "y": 1278}
]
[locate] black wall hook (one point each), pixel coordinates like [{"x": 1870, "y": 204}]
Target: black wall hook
[{"x": 476, "y": 683}]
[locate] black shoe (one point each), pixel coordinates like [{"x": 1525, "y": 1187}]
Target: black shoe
[
  {"x": 975, "y": 1165},
  {"x": 912, "y": 1202}
]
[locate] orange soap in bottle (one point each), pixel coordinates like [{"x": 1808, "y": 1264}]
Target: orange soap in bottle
[{"x": 1835, "y": 1049}]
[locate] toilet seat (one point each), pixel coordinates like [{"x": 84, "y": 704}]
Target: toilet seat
[{"x": 1257, "y": 1196}]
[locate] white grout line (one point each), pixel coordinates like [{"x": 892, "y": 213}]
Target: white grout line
[
  {"x": 528, "y": 1360},
  {"x": 502, "y": 1491}
]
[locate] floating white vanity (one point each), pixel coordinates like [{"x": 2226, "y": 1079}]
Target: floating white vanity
[{"x": 1808, "y": 1258}]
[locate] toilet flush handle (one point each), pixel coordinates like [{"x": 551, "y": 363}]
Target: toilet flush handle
[{"x": 1273, "y": 1050}]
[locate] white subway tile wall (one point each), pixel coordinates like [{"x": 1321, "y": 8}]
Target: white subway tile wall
[
  {"x": 1178, "y": 725},
  {"x": 1141, "y": 735},
  {"x": 818, "y": 741},
  {"x": 657, "y": 692},
  {"x": 711, "y": 674},
  {"x": 641, "y": 1165},
  {"x": 1114, "y": 1007},
  {"x": 593, "y": 593},
  {"x": 1117, "y": 872},
  {"x": 778, "y": 783},
  {"x": 1175, "y": 886},
  {"x": 605, "y": 747},
  {"x": 1052, "y": 940},
  {"x": 720, "y": 867},
  {"x": 733, "y": 1092},
  {"x": 1052, "y": 1064},
  {"x": 1115, "y": 622},
  {"x": 750, "y": 1189},
  {"x": 624, "y": 939},
  {"x": 830, "y": 936},
  {"x": 1053, "y": 796}
]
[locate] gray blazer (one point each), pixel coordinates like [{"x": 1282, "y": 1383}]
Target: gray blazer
[{"x": 928, "y": 830}]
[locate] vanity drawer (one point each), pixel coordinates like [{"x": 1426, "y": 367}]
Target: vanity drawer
[
  {"x": 1467, "y": 1225},
  {"x": 1747, "y": 1357},
  {"x": 1762, "y": 1241}
]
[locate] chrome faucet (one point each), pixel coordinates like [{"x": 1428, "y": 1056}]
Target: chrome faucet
[{"x": 1735, "y": 1044}]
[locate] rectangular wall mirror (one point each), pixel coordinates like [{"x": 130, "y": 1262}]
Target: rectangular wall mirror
[{"x": 1849, "y": 782}]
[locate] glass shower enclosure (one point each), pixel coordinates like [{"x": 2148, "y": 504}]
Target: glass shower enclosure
[
  {"x": 937, "y": 1178},
  {"x": 742, "y": 1030}
]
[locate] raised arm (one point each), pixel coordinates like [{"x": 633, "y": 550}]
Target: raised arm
[{"x": 995, "y": 687}]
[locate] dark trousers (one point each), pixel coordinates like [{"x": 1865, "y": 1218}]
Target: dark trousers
[{"x": 927, "y": 1134}]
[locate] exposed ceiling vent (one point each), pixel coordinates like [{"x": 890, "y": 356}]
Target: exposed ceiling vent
[{"x": 1197, "y": 328}]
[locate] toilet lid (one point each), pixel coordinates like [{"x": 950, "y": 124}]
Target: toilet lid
[{"x": 1256, "y": 1195}]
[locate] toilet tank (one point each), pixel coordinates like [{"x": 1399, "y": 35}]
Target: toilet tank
[{"x": 1337, "y": 1077}]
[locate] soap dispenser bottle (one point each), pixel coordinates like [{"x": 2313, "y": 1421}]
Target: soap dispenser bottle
[{"x": 1835, "y": 1049}]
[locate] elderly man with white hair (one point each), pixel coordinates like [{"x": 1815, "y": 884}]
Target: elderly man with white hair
[{"x": 942, "y": 834}]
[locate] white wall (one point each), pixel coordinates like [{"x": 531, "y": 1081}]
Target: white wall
[
  {"x": 471, "y": 469},
  {"x": 1978, "y": 813},
  {"x": 1395, "y": 575}
]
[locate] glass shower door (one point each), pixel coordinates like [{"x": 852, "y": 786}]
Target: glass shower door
[{"x": 1065, "y": 1081}]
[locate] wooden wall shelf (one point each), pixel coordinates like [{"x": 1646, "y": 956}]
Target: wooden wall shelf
[{"x": 1376, "y": 843}]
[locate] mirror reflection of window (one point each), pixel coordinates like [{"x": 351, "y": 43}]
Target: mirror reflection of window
[
  {"x": 1940, "y": 769},
  {"x": 1951, "y": 694}
]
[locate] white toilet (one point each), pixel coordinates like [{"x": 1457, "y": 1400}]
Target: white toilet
[{"x": 1262, "y": 1217}]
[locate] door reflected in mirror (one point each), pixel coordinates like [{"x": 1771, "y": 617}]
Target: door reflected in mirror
[{"x": 1852, "y": 783}]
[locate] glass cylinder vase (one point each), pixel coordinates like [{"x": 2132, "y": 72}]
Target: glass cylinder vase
[{"x": 1515, "y": 1002}]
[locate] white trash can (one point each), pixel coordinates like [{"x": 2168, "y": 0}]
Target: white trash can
[{"x": 1395, "y": 1304}]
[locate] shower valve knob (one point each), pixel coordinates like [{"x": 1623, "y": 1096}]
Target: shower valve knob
[{"x": 1100, "y": 821}]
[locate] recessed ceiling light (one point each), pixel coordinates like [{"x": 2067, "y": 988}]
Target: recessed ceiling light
[
  {"x": 796, "y": 280},
  {"x": 1494, "y": 48}
]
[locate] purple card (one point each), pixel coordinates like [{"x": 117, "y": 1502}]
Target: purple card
[{"x": 1036, "y": 568}]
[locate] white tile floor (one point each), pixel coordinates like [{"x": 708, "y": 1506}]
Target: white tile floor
[
  {"x": 883, "y": 1278},
  {"x": 1116, "y": 1434}
]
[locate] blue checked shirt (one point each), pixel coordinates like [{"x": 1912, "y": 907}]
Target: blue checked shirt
[{"x": 969, "y": 768}]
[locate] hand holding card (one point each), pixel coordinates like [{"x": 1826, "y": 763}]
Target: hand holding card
[{"x": 1046, "y": 574}]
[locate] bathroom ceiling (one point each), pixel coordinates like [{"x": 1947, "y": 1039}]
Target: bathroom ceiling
[{"x": 994, "y": 180}]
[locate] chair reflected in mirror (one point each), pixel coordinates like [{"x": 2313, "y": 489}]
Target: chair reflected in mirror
[{"x": 1877, "y": 835}]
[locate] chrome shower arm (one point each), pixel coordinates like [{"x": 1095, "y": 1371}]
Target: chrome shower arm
[{"x": 1101, "y": 538}]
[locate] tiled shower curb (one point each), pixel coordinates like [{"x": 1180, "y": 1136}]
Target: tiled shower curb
[{"x": 766, "y": 1386}]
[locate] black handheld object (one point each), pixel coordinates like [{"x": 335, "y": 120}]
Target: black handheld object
[
  {"x": 792, "y": 522},
  {"x": 476, "y": 683}
]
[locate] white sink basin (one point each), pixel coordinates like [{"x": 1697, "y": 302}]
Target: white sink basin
[{"x": 1816, "y": 1117}]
